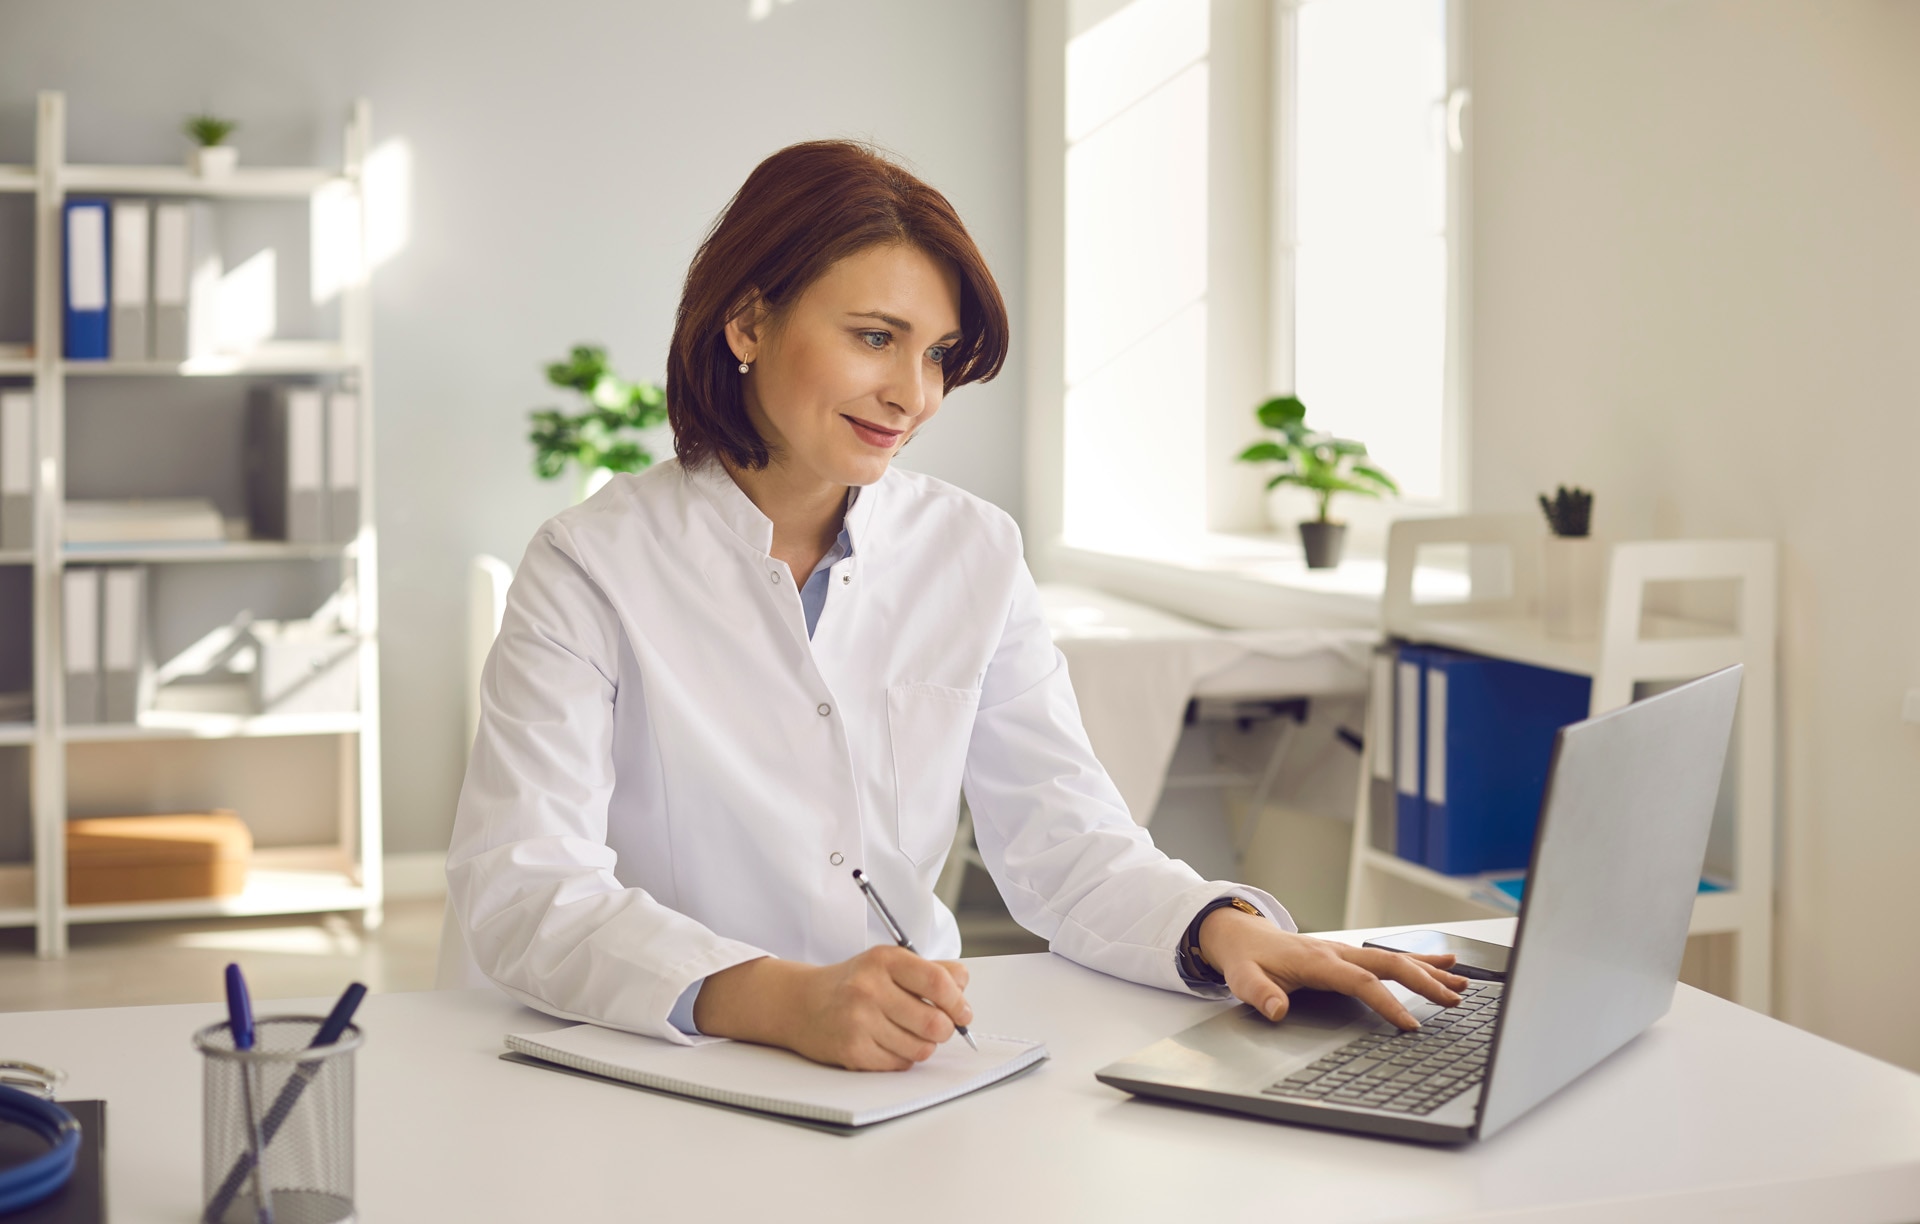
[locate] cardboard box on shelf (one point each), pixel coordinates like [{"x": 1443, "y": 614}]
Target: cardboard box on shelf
[{"x": 117, "y": 859}]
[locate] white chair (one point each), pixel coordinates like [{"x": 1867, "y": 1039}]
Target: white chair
[{"x": 487, "y": 583}]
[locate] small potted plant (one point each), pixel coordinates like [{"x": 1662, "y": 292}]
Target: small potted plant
[
  {"x": 595, "y": 441},
  {"x": 1320, "y": 463},
  {"x": 1571, "y": 570},
  {"x": 211, "y": 157}
]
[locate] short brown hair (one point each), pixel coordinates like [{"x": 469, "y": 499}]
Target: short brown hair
[{"x": 801, "y": 211}]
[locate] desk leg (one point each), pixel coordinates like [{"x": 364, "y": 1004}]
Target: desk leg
[{"x": 1243, "y": 836}]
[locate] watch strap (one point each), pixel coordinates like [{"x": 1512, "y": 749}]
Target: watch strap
[{"x": 1194, "y": 966}]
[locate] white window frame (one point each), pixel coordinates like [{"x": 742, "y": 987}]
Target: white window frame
[{"x": 1253, "y": 354}]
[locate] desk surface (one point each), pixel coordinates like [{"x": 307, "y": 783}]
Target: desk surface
[{"x": 1717, "y": 1112}]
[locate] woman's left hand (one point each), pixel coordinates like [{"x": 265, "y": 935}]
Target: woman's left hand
[{"x": 1262, "y": 963}]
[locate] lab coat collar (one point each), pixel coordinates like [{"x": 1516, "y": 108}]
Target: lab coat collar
[
  {"x": 860, "y": 515},
  {"x": 745, "y": 520}
]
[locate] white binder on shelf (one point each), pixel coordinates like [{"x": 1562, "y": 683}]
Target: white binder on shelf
[
  {"x": 80, "y": 642},
  {"x": 343, "y": 466},
  {"x": 286, "y": 488},
  {"x": 186, "y": 280},
  {"x": 16, "y": 469},
  {"x": 1409, "y": 753},
  {"x": 1382, "y": 808},
  {"x": 124, "y": 668},
  {"x": 171, "y": 228},
  {"x": 127, "y": 332}
]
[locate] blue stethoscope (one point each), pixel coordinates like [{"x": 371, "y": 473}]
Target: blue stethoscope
[{"x": 25, "y": 1101}]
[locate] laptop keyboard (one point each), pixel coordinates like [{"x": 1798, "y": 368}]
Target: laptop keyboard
[{"x": 1409, "y": 1073}]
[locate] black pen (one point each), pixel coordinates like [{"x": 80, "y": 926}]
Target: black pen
[{"x": 899, "y": 936}]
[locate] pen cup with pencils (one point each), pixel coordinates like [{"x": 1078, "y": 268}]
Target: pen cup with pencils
[{"x": 291, "y": 1101}]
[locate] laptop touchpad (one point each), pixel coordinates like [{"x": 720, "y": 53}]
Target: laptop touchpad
[{"x": 1328, "y": 1010}]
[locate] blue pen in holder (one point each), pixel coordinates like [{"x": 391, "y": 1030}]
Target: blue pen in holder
[{"x": 303, "y": 1102}]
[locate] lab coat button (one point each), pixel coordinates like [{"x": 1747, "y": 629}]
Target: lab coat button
[
  {"x": 773, "y": 575},
  {"x": 836, "y": 858},
  {"x": 845, "y": 579},
  {"x": 825, "y": 709}
]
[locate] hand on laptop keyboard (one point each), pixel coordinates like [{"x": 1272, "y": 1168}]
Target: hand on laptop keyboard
[
  {"x": 1262, "y": 963},
  {"x": 1409, "y": 1073}
]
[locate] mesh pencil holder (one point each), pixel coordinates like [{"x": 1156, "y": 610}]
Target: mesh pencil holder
[{"x": 296, "y": 1105}]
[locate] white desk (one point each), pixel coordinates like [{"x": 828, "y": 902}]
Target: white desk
[
  {"x": 1135, "y": 667},
  {"x": 1717, "y": 1113}
]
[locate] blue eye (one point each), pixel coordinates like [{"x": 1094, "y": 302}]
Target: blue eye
[
  {"x": 938, "y": 353},
  {"x": 875, "y": 339}
]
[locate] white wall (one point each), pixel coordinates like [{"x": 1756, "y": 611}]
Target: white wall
[
  {"x": 1697, "y": 282},
  {"x": 567, "y": 158}
]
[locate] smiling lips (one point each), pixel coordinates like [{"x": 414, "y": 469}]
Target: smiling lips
[{"x": 872, "y": 434}]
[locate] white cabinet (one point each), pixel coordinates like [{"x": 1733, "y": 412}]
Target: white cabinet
[{"x": 1651, "y": 630}]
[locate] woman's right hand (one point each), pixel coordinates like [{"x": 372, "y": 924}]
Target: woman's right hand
[{"x": 883, "y": 1010}]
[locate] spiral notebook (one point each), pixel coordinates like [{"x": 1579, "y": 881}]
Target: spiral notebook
[{"x": 761, "y": 1079}]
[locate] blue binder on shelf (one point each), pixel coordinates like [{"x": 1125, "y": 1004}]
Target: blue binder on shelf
[
  {"x": 1489, "y": 733},
  {"x": 86, "y": 271},
  {"x": 1409, "y": 752}
]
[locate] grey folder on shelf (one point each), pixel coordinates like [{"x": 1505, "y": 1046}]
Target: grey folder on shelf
[
  {"x": 286, "y": 495},
  {"x": 343, "y": 466},
  {"x": 186, "y": 280},
  {"x": 124, "y": 668},
  {"x": 16, "y": 469},
  {"x": 127, "y": 334},
  {"x": 80, "y": 603}
]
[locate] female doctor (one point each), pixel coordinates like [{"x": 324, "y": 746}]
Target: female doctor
[{"x": 726, "y": 682}]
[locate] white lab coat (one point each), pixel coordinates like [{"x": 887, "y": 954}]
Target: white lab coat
[{"x": 671, "y": 778}]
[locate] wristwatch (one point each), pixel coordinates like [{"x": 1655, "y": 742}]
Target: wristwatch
[{"x": 1193, "y": 965}]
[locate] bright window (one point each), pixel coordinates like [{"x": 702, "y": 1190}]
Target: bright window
[
  {"x": 1136, "y": 272},
  {"x": 1233, "y": 172},
  {"x": 1369, "y": 256}
]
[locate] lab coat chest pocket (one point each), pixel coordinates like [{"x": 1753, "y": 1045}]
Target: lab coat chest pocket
[{"x": 931, "y": 726}]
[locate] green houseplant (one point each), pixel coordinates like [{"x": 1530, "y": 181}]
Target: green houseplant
[
  {"x": 211, "y": 157},
  {"x": 1320, "y": 463},
  {"x": 600, "y": 440}
]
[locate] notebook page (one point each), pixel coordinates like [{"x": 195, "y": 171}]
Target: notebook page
[{"x": 780, "y": 1081}]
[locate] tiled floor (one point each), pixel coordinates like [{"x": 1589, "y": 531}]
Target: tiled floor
[{"x": 113, "y": 965}]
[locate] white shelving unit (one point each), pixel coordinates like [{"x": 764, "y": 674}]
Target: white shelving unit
[
  {"x": 201, "y": 554},
  {"x": 1633, "y": 646},
  {"x": 277, "y": 357},
  {"x": 344, "y": 872}
]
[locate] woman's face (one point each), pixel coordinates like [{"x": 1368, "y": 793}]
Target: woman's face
[{"x": 847, "y": 374}]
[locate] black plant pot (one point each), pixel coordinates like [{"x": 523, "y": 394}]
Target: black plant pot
[{"x": 1323, "y": 541}]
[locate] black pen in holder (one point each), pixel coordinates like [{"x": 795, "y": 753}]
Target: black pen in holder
[{"x": 307, "y": 1131}]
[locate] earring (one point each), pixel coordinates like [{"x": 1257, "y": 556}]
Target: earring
[{"x": 744, "y": 367}]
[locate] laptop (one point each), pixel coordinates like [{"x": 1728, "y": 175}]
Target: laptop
[{"x": 1616, "y": 864}]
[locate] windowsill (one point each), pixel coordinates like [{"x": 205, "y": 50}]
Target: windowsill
[{"x": 1245, "y": 580}]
